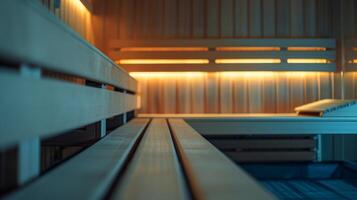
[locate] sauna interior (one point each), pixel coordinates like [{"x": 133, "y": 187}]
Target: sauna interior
[{"x": 178, "y": 99}]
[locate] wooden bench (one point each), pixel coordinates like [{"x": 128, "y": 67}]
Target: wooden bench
[
  {"x": 171, "y": 161},
  {"x": 54, "y": 82}
]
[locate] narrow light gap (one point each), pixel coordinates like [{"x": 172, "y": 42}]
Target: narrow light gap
[
  {"x": 159, "y": 49},
  {"x": 162, "y": 61}
]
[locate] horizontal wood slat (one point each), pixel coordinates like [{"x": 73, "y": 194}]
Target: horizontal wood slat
[
  {"x": 90, "y": 174},
  {"x": 230, "y": 67},
  {"x": 43, "y": 107},
  {"x": 263, "y": 143},
  {"x": 211, "y": 50},
  {"x": 221, "y": 54},
  {"x": 33, "y": 35},
  {"x": 154, "y": 171},
  {"x": 278, "y": 156},
  {"x": 212, "y": 43},
  {"x": 201, "y": 161},
  {"x": 273, "y": 124}
]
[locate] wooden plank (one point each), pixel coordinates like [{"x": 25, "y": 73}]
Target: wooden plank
[
  {"x": 296, "y": 18},
  {"x": 90, "y": 174},
  {"x": 274, "y": 126},
  {"x": 48, "y": 107},
  {"x": 170, "y": 19},
  {"x": 212, "y": 93},
  {"x": 263, "y": 143},
  {"x": 198, "y": 18},
  {"x": 269, "y": 95},
  {"x": 310, "y": 18},
  {"x": 255, "y": 24},
  {"x": 255, "y": 96},
  {"x": 329, "y": 67},
  {"x": 211, "y": 55},
  {"x": 227, "y": 19},
  {"x": 283, "y": 18},
  {"x": 212, "y": 19},
  {"x": 46, "y": 41},
  {"x": 200, "y": 160},
  {"x": 154, "y": 171},
  {"x": 212, "y": 43},
  {"x": 269, "y": 16},
  {"x": 285, "y": 117},
  {"x": 266, "y": 156},
  {"x": 241, "y": 18},
  {"x": 184, "y": 19}
]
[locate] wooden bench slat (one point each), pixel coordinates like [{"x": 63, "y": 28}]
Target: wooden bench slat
[
  {"x": 154, "y": 171},
  {"x": 43, "y": 107},
  {"x": 90, "y": 174},
  {"x": 272, "y": 156},
  {"x": 211, "y": 174},
  {"x": 268, "y": 143},
  {"x": 212, "y": 43}
]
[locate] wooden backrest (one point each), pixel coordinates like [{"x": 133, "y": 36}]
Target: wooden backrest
[
  {"x": 258, "y": 54},
  {"x": 51, "y": 79}
]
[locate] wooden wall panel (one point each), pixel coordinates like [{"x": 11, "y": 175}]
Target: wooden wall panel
[
  {"x": 220, "y": 19},
  {"x": 237, "y": 92},
  {"x": 74, "y": 14},
  {"x": 215, "y": 92},
  {"x": 198, "y": 18}
]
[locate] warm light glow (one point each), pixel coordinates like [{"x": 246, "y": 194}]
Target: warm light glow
[
  {"x": 303, "y": 60},
  {"x": 248, "y": 49},
  {"x": 252, "y": 74},
  {"x": 250, "y": 61},
  {"x": 354, "y": 49},
  {"x": 138, "y": 101},
  {"x": 267, "y": 74},
  {"x": 306, "y": 49},
  {"x": 80, "y": 5},
  {"x": 300, "y": 74},
  {"x": 226, "y": 74},
  {"x": 163, "y": 61},
  {"x": 354, "y": 61},
  {"x": 164, "y": 49},
  {"x": 166, "y": 74}
]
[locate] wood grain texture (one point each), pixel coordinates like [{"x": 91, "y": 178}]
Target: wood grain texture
[
  {"x": 45, "y": 41},
  {"x": 230, "y": 18},
  {"x": 75, "y": 15},
  {"x": 200, "y": 160},
  {"x": 90, "y": 174},
  {"x": 240, "y": 92},
  {"x": 271, "y": 156},
  {"x": 154, "y": 171}
]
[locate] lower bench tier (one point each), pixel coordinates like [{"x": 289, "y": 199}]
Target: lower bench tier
[{"x": 147, "y": 159}]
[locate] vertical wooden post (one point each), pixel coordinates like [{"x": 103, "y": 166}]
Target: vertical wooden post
[
  {"x": 28, "y": 160},
  {"x": 103, "y": 122},
  {"x": 125, "y": 113},
  {"x": 29, "y": 151},
  {"x": 319, "y": 148}
]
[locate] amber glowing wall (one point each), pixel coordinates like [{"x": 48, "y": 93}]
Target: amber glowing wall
[
  {"x": 216, "y": 92},
  {"x": 220, "y": 92},
  {"x": 74, "y": 14},
  {"x": 231, "y": 92}
]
